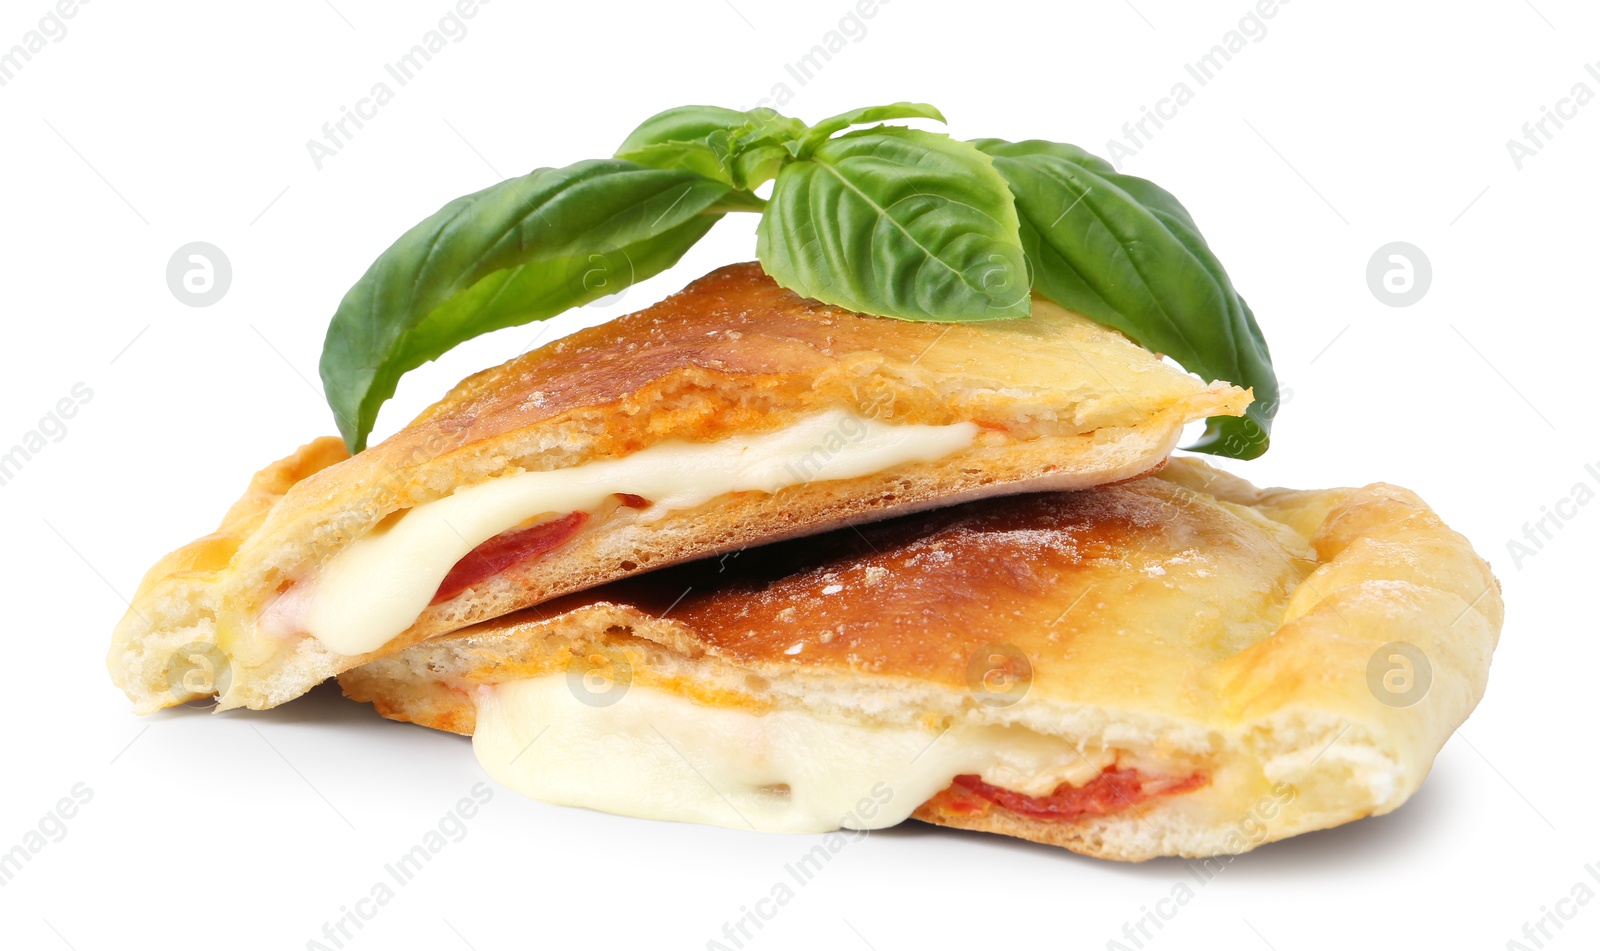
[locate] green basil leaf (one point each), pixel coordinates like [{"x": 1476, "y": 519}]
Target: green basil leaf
[
  {"x": 682, "y": 124},
  {"x": 514, "y": 252},
  {"x": 865, "y": 116},
  {"x": 544, "y": 289},
  {"x": 757, "y": 164},
  {"x": 741, "y": 169},
  {"x": 743, "y": 149},
  {"x": 767, "y": 127},
  {"x": 900, "y": 223},
  {"x": 711, "y": 158},
  {"x": 1123, "y": 251}
]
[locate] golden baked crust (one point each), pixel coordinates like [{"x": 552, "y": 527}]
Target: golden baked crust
[
  {"x": 1185, "y": 619},
  {"x": 1064, "y": 403}
]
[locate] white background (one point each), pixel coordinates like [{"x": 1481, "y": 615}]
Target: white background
[{"x": 1347, "y": 126}]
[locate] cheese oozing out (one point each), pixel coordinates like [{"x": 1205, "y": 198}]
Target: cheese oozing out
[
  {"x": 645, "y": 752},
  {"x": 377, "y": 586}
]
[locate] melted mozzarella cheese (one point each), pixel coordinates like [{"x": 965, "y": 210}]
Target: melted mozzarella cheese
[
  {"x": 376, "y": 587},
  {"x": 659, "y": 755}
]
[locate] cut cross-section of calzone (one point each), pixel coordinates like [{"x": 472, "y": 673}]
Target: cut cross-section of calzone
[
  {"x": 730, "y": 414},
  {"x": 1177, "y": 665}
]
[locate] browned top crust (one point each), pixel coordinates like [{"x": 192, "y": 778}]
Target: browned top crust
[
  {"x": 737, "y": 322},
  {"x": 917, "y": 596}
]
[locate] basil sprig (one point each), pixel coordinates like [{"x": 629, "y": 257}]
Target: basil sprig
[
  {"x": 885, "y": 220},
  {"x": 742, "y": 149},
  {"x": 898, "y": 222}
]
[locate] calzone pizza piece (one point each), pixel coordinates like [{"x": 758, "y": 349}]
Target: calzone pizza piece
[
  {"x": 1177, "y": 665},
  {"x": 730, "y": 414}
]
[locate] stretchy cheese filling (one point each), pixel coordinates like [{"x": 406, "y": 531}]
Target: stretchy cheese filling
[
  {"x": 645, "y": 752},
  {"x": 376, "y": 587}
]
